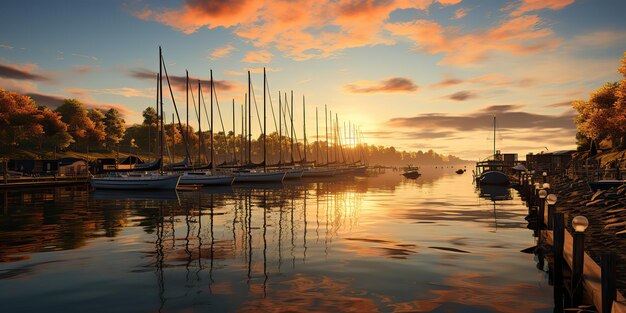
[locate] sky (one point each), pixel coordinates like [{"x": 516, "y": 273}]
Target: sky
[{"x": 417, "y": 75}]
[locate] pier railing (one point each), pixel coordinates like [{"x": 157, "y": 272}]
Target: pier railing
[{"x": 596, "y": 280}]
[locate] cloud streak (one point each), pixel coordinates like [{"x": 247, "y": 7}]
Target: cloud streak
[
  {"x": 22, "y": 72},
  {"x": 508, "y": 116},
  {"x": 179, "y": 82},
  {"x": 462, "y": 95},
  {"x": 389, "y": 85},
  {"x": 533, "y": 5}
]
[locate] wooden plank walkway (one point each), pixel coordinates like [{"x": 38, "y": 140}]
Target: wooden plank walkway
[{"x": 42, "y": 181}]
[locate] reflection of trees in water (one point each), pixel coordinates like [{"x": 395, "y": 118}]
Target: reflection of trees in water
[{"x": 54, "y": 219}]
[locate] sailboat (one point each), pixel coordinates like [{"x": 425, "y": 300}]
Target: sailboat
[
  {"x": 206, "y": 178},
  {"x": 145, "y": 180},
  {"x": 251, "y": 175},
  {"x": 490, "y": 172},
  {"x": 314, "y": 172}
]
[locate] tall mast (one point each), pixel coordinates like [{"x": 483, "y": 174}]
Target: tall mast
[
  {"x": 494, "y": 137},
  {"x": 243, "y": 134},
  {"x": 317, "y": 138},
  {"x": 291, "y": 118},
  {"x": 157, "y": 118},
  {"x": 234, "y": 141},
  {"x": 280, "y": 130},
  {"x": 187, "y": 105},
  {"x": 211, "y": 128},
  {"x": 161, "y": 102},
  {"x": 200, "y": 137},
  {"x": 304, "y": 127},
  {"x": 249, "y": 121},
  {"x": 264, "y": 123},
  {"x": 326, "y": 125}
]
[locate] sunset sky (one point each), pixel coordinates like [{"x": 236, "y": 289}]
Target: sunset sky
[{"x": 413, "y": 74}]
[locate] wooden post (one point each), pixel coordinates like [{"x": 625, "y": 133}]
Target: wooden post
[
  {"x": 551, "y": 212},
  {"x": 608, "y": 281},
  {"x": 558, "y": 241},
  {"x": 577, "y": 268},
  {"x": 5, "y": 171},
  {"x": 541, "y": 213}
]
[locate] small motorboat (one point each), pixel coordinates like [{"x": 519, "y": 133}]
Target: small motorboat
[
  {"x": 460, "y": 171},
  {"x": 411, "y": 172}
]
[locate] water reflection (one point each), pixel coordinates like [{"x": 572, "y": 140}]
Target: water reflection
[{"x": 361, "y": 244}]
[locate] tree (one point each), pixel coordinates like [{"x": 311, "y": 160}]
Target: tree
[
  {"x": 115, "y": 128},
  {"x": 74, "y": 114},
  {"x": 55, "y": 130},
  {"x": 149, "y": 116},
  {"x": 97, "y": 134},
  {"x": 19, "y": 119},
  {"x": 594, "y": 119}
]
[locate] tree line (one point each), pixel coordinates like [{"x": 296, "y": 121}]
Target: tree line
[{"x": 72, "y": 126}]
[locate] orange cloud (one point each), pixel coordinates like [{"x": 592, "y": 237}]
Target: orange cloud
[
  {"x": 390, "y": 85},
  {"x": 221, "y": 52},
  {"x": 300, "y": 29},
  {"x": 534, "y": 5},
  {"x": 261, "y": 56},
  {"x": 520, "y": 35},
  {"x": 460, "y": 13},
  {"x": 195, "y": 14}
]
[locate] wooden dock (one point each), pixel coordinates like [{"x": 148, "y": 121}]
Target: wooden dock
[{"x": 42, "y": 181}]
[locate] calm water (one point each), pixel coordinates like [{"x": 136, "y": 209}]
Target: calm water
[{"x": 366, "y": 244}]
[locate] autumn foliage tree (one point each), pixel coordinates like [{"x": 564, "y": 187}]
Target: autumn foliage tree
[
  {"x": 24, "y": 125},
  {"x": 603, "y": 116}
]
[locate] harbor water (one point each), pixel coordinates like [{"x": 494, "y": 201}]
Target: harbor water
[{"x": 371, "y": 244}]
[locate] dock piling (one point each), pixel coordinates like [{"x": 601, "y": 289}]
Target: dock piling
[
  {"x": 608, "y": 281},
  {"x": 580, "y": 224}
]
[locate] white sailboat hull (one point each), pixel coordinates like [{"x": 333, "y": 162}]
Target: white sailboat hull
[
  {"x": 206, "y": 180},
  {"x": 259, "y": 177},
  {"x": 318, "y": 172},
  {"x": 167, "y": 182}
]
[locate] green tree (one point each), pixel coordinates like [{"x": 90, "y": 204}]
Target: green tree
[{"x": 149, "y": 116}]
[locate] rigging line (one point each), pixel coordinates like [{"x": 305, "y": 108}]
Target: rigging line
[
  {"x": 194, "y": 103},
  {"x": 256, "y": 107},
  {"x": 206, "y": 114},
  {"x": 295, "y": 135},
  {"x": 176, "y": 109},
  {"x": 267, "y": 84},
  {"x": 206, "y": 147},
  {"x": 219, "y": 112}
]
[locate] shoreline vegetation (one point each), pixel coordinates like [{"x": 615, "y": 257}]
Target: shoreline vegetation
[{"x": 30, "y": 130}]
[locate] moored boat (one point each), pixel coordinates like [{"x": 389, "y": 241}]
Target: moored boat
[
  {"x": 253, "y": 176},
  {"x": 318, "y": 172},
  {"x": 136, "y": 182},
  {"x": 206, "y": 179},
  {"x": 411, "y": 172}
]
